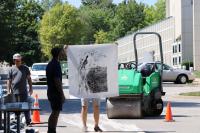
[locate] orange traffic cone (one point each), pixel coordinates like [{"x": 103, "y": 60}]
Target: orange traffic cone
[
  {"x": 36, "y": 113},
  {"x": 168, "y": 117}
]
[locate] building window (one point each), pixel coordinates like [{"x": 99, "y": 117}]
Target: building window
[
  {"x": 179, "y": 47},
  {"x": 179, "y": 58},
  {"x": 175, "y": 49},
  {"x": 175, "y": 61}
]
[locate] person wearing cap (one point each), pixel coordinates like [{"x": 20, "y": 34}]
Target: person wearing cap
[{"x": 18, "y": 76}]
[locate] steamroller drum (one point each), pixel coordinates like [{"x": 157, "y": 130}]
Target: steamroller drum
[{"x": 119, "y": 108}]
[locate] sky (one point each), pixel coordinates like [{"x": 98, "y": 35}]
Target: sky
[{"x": 77, "y": 3}]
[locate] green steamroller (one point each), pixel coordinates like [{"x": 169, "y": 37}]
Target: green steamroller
[{"x": 140, "y": 91}]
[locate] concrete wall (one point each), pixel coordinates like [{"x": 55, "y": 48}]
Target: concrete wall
[
  {"x": 196, "y": 34},
  {"x": 173, "y": 8},
  {"x": 187, "y": 30},
  {"x": 149, "y": 43},
  {"x": 182, "y": 11}
]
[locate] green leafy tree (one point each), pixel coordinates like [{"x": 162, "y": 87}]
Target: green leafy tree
[
  {"x": 19, "y": 21},
  {"x": 101, "y": 37},
  {"x": 155, "y": 12},
  {"x": 7, "y": 11},
  {"x": 160, "y": 8},
  {"x": 60, "y": 25},
  {"x": 129, "y": 16},
  {"x": 96, "y": 16},
  {"x": 26, "y": 42},
  {"x": 149, "y": 15},
  {"x": 98, "y": 3},
  {"x": 48, "y": 4}
]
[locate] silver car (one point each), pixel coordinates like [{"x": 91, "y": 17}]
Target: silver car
[
  {"x": 38, "y": 72},
  {"x": 170, "y": 74}
]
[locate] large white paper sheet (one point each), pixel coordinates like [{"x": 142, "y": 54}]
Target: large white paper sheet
[{"x": 92, "y": 70}]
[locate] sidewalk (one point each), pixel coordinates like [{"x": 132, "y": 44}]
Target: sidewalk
[
  {"x": 196, "y": 81},
  {"x": 62, "y": 127}
]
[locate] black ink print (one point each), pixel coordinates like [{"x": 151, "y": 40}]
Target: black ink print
[
  {"x": 84, "y": 63},
  {"x": 92, "y": 76},
  {"x": 97, "y": 79}
]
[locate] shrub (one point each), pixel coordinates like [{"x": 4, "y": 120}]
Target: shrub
[{"x": 187, "y": 64}]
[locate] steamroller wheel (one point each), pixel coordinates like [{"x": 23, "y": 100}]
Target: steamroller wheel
[
  {"x": 159, "y": 108},
  {"x": 119, "y": 108}
]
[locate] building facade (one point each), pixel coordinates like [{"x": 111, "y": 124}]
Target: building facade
[
  {"x": 196, "y": 34},
  {"x": 149, "y": 43},
  {"x": 179, "y": 32}
]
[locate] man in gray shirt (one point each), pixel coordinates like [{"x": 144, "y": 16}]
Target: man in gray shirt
[{"x": 18, "y": 76}]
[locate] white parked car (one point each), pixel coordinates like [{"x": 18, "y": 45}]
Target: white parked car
[
  {"x": 38, "y": 72},
  {"x": 170, "y": 74}
]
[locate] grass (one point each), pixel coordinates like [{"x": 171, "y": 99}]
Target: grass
[
  {"x": 197, "y": 74},
  {"x": 191, "y": 94}
]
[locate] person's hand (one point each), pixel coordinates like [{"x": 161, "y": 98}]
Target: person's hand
[
  {"x": 30, "y": 91},
  {"x": 9, "y": 91},
  {"x": 65, "y": 48}
]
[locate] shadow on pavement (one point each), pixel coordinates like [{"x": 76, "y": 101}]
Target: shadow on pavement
[
  {"x": 47, "y": 126},
  {"x": 184, "y": 104},
  {"x": 70, "y": 106},
  {"x": 119, "y": 131},
  {"x": 159, "y": 131}
]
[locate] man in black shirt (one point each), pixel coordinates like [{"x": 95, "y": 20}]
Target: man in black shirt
[{"x": 55, "y": 91}]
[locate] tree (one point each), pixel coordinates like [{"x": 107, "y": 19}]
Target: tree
[
  {"x": 96, "y": 15},
  {"x": 160, "y": 8},
  {"x": 155, "y": 12},
  {"x": 18, "y": 33},
  {"x": 60, "y": 25},
  {"x": 48, "y": 4},
  {"x": 101, "y": 37},
  {"x": 149, "y": 15},
  {"x": 7, "y": 9},
  {"x": 27, "y": 16},
  {"x": 98, "y": 3},
  {"x": 129, "y": 16}
]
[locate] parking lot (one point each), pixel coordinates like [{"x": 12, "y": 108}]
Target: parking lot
[{"x": 185, "y": 111}]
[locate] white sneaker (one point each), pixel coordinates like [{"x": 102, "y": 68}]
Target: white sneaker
[{"x": 85, "y": 129}]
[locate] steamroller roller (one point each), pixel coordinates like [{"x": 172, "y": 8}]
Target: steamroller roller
[{"x": 140, "y": 90}]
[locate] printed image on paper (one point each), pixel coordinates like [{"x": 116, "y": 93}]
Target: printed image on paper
[{"x": 93, "y": 70}]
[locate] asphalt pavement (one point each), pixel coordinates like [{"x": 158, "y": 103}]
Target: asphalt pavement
[{"x": 185, "y": 111}]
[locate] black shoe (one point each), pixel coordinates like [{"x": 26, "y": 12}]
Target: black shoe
[
  {"x": 97, "y": 129},
  {"x": 28, "y": 124}
]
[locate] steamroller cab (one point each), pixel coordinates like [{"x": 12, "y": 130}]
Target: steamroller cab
[{"x": 140, "y": 91}]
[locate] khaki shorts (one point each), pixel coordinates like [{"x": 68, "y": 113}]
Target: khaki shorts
[{"x": 96, "y": 101}]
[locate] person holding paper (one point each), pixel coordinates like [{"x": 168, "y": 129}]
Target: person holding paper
[
  {"x": 55, "y": 91},
  {"x": 96, "y": 104}
]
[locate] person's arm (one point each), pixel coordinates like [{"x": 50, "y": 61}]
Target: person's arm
[
  {"x": 58, "y": 84},
  {"x": 9, "y": 82},
  {"x": 30, "y": 84},
  {"x": 9, "y": 85}
]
